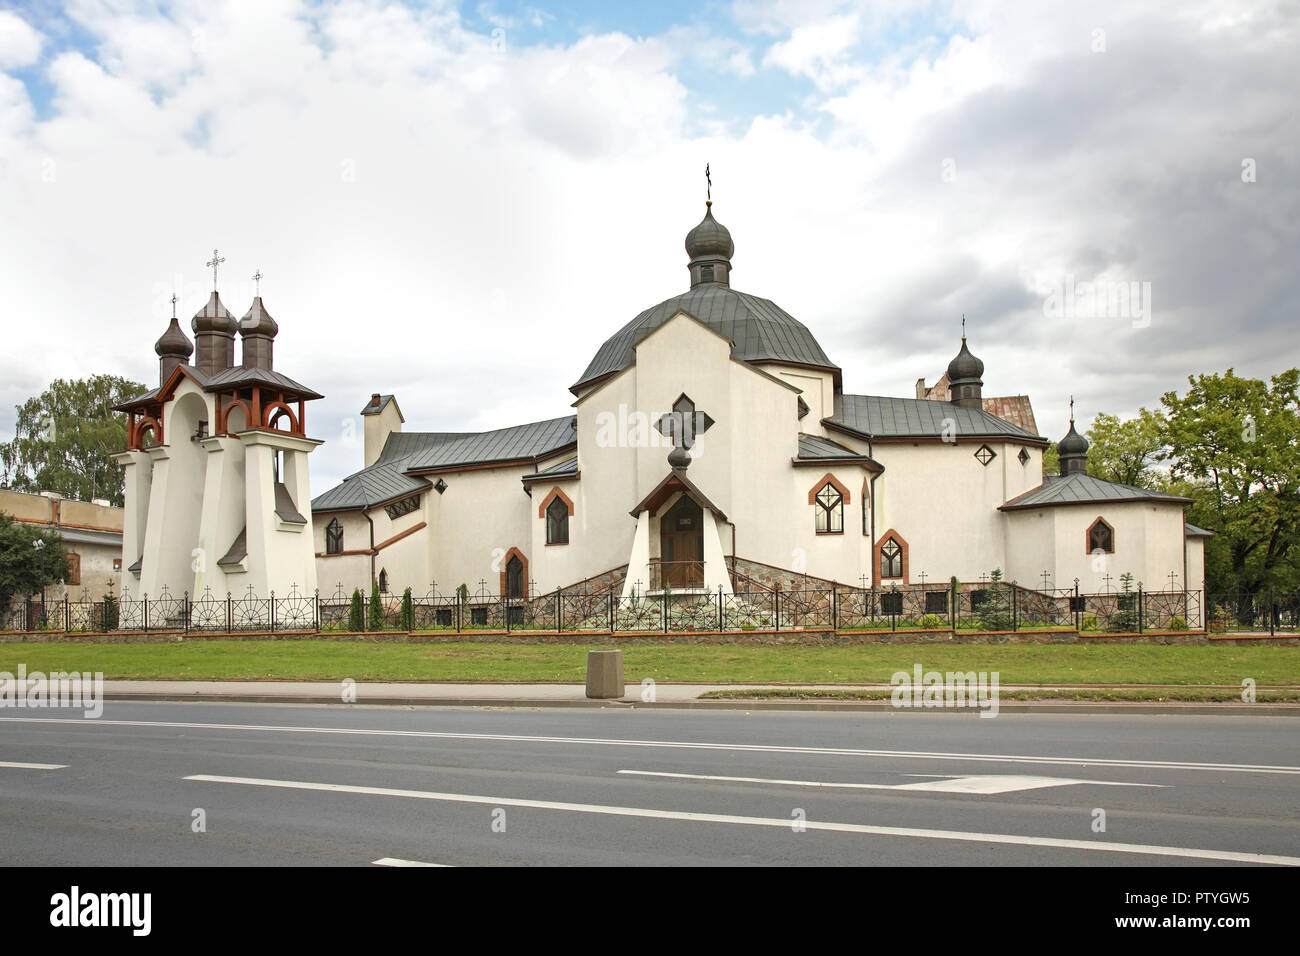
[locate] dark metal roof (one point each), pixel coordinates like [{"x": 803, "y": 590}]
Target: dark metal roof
[
  {"x": 382, "y": 482},
  {"x": 393, "y": 476},
  {"x": 881, "y": 416},
  {"x": 505, "y": 444},
  {"x": 373, "y": 407},
  {"x": 564, "y": 468},
  {"x": 240, "y": 375},
  {"x": 238, "y": 550},
  {"x": 819, "y": 449},
  {"x": 758, "y": 329},
  {"x": 284, "y": 506},
  {"x": 1085, "y": 489},
  {"x": 237, "y": 376},
  {"x": 1195, "y": 532}
]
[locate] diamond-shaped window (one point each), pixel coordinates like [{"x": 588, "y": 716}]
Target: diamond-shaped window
[
  {"x": 1024, "y": 456},
  {"x": 985, "y": 454}
]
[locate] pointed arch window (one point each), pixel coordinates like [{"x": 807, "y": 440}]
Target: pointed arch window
[
  {"x": 557, "y": 521},
  {"x": 891, "y": 559},
  {"x": 1101, "y": 538},
  {"x": 830, "y": 510},
  {"x": 334, "y": 537},
  {"x": 383, "y": 580}
]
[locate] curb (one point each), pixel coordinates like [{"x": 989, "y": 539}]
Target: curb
[{"x": 1169, "y": 708}]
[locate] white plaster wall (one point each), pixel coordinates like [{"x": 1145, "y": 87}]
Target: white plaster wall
[
  {"x": 1195, "y": 556},
  {"x": 176, "y": 496},
  {"x": 1073, "y": 560}
]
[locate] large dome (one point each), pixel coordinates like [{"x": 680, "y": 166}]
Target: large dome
[{"x": 759, "y": 330}]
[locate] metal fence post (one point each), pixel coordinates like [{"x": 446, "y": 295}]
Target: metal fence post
[
  {"x": 316, "y": 611},
  {"x": 186, "y": 612},
  {"x": 663, "y": 597},
  {"x": 835, "y": 610},
  {"x": 721, "y": 619},
  {"x": 1272, "y": 618},
  {"x": 1015, "y": 607},
  {"x": 777, "y": 594},
  {"x": 230, "y": 620},
  {"x": 1141, "y": 608},
  {"x": 611, "y": 610},
  {"x": 66, "y": 620},
  {"x": 272, "y": 612},
  {"x": 145, "y": 615}
]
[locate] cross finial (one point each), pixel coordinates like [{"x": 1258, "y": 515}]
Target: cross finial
[
  {"x": 708, "y": 185},
  {"x": 1071, "y": 409},
  {"x": 173, "y": 305},
  {"x": 963, "y": 326},
  {"x": 212, "y": 264},
  {"x": 257, "y": 280}
]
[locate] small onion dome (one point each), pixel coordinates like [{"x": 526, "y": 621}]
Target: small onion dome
[
  {"x": 965, "y": 366},
  {"x": 1073, "y": 445},
  {"x": 174, "y": 343},
  {"x": 257, "y": 321},
  {"x": 709, "y": 238},
  {"x": 214, "y": 317}
]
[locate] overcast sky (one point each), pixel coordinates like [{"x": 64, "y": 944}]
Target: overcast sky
[{"x": 459, "y": 203}]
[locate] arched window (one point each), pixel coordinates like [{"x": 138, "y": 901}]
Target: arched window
[
  {"x": 514, "y": 577},
  {"x": 557, "y": 522},
  {"x": 830, "y": 510},
  {"x": 383, "y": 580},
  {"x": 1101, "y": 537},
  {"x": 891, "y": 559},
  {"x": 334, "y": 537}
]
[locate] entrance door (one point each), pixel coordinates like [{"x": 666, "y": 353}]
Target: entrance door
[{"x": 681, "y": 545}]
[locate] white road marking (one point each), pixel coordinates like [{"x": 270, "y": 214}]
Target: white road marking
[
  {"x": 394, "y": 861},
  {"x": 1010, "y": 839},
  {"x": 984, "y": 784},
  {"x": 33, "y": 766},
  {"x": 682, "y": 745}
]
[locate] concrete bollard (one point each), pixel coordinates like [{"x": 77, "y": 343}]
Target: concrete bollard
[{"x": 604, "y": 674}]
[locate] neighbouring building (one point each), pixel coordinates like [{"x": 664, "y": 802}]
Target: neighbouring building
[{"x": 91, "y": 532}]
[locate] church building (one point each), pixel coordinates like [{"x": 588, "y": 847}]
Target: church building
[{"x": 712, "y": 445}]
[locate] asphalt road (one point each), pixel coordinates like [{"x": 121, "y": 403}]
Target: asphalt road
[{"x": 348, "y": 786}]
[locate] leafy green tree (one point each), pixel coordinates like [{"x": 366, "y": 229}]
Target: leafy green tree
[
  {"x": 1051, "y": 460},
  {"x": 376, "y": 607},
  {"x": 1234, "y": 447},
  {"x": 64, "y": 437},
  {"x": 20, "y": 562},
  {"x": 356, "y": 612},
  {"x": 1126, "y": 451}
]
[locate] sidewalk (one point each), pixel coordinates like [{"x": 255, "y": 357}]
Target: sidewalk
[{"x": 574, "y": 695}]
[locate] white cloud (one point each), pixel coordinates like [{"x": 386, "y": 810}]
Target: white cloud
[
  {"x": 463, "y": 224},
  {"x": 20, "y": 44}
]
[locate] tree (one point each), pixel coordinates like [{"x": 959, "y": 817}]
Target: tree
[
  {"x": 356, "y": 612},
  {"x": 20, "y": 562},
  {"x": 376, "y": 607},
  {"x": 64, "y": 437},
  {"x": 1051, "y": 460},
  {"x": 1234, "y": 444},
  {"x": 1126, "y": 451},
  {"x": 407, "y": 622}
]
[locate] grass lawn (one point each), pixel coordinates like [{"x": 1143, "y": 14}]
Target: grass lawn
[{"x": 701, "y": 663}]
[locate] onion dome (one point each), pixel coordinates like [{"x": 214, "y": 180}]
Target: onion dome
[
  {"x": 174, "y": 343},
  {"x": 214, "y": 317},
  {"x": 710, "y": 247},
  {"x": 965, "y": 367},
  {"x": 257, "y": 321},
  {"x": 709, "y": 238},
  {"x": 257, "y": 330},
  {"x": 1073, "y": 452}
]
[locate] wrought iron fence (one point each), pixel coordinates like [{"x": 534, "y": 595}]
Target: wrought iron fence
[
  {"x": 984, "y": 606},
  {"x": 1266, "y": 610}
]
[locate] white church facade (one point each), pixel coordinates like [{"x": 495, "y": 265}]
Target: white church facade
[{"x": 711, "y": 444}]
